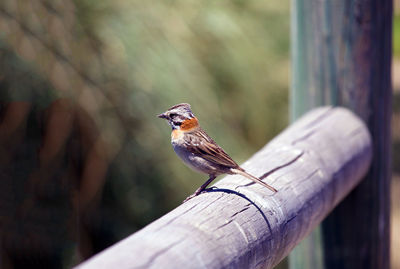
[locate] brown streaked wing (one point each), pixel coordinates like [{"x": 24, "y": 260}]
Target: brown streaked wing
[{"x": 201, "y": 144}]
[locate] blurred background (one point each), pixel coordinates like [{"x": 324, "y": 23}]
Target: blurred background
[
  {"x": 395, "y": 210},
  {"x": 84, "y": 161}
]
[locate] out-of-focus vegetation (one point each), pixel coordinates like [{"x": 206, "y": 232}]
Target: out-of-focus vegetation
[
  {"x": 395, "y": 205},
  {"x": 229, "y": 60},
  {"x": 81, "y": 81},
  {"x": 396, "y": 35}
]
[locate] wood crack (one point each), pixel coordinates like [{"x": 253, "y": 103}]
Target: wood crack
[
  {"x": 157, "y": 254},
  {"x": 281, "y": 166},
  {"x": 304, "y": 137},
  {"x": 321, "y": 117}
]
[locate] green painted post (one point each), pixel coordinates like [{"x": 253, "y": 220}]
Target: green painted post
[{"x": 341, "y": 53}]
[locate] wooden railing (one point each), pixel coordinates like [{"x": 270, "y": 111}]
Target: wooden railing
[{"x": 314, "y": 164}]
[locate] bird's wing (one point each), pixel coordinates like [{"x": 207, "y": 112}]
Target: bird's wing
[{"x": 199, "y": 143}]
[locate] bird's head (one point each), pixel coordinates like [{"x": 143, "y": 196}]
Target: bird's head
[{"x": 180, "y": 117}]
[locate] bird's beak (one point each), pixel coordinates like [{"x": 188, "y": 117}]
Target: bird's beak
[{"x": 162, "y": 116}]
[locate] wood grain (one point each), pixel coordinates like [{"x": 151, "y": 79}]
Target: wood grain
[{"x": 314, "y": 164}]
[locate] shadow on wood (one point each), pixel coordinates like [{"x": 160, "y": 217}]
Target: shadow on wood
[{"x": 314, "y": 164}]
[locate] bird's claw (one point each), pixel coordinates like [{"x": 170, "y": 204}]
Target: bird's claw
[
  {"x": 197, "y": 193},
  {"x": 188, "y": 198}
]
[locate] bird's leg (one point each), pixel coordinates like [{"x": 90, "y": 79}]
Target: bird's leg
[{"x": 201, "y": 189}]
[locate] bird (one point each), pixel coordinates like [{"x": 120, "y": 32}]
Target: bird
[{"x": 198, "y": 150}]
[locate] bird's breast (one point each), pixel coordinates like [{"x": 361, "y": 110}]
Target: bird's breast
[{"x": 176, "y": 135}]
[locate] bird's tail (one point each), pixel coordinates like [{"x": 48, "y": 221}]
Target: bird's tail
[{"x": 253, "y": 178}]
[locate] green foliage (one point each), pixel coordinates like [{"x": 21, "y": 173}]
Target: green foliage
[
  {"x": 230, "y": 63},
  {"x": 122, "y": 62},
  {"x": 228, "y": 59},
  {"x": 396, "y": 35}
]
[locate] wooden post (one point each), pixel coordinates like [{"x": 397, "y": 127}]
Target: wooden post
[
  {"x": 341, "y": 56},
  {"x": 314, "y": 164}
]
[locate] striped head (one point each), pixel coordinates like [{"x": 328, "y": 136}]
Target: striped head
[{"x": 180, "y": 117}]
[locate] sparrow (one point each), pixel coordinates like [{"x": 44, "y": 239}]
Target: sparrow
[{"x": 198, "y": 150}]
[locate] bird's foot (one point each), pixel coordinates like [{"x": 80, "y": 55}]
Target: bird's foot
[
  {"x": 189, "y": 197},
  {"x": 197, "y": 193}
]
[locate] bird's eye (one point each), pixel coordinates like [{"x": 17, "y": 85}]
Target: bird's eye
[{"x": 172, "y": 115}]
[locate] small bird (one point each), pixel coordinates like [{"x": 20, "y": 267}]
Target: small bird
[{"x": 198, "y": 150}]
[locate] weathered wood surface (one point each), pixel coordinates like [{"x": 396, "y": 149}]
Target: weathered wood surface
[
  {"x": 314, "y": 164},
  {"x": 341, "y": 55}
]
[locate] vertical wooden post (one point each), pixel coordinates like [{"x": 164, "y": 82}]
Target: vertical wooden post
[{"x": 341, "y": 52}]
